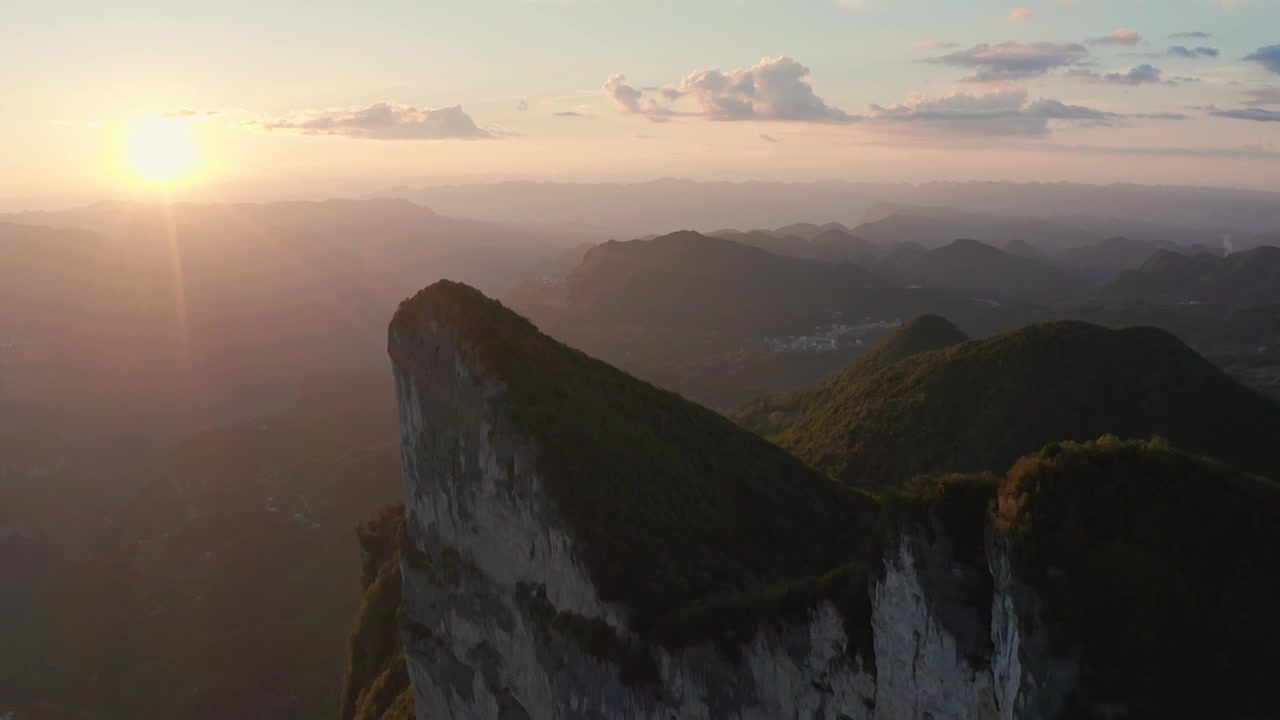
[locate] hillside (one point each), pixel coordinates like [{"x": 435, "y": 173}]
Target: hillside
[
  {"x": 1108, "y": 257},
  {"x": 692, "y": 281},
  {"x": 668, "y": 502},
  {"x": 978, "y": 405},
  {"x": 1018, "y": 247},
  {"x": 1241, "y": 279},
  {"x": 773, "y": 412},
  {"x": 977, "y": 269},
  {"x": 1155, "y": 573},
  {"x": 841, "y": 246}
]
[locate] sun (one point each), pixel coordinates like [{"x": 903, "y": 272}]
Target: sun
[{"x": 161, "y": 150}]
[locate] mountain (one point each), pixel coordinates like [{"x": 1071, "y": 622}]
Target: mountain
[
  {"x": 773, "y": 412},
  {"x": 841, "y": 246},
  {"x": 808, "y": 231},
  {"x": 1109, "y": 533},
  {"x": 789, "y": 245},
  {"x": 976, "y": 269},
  {"x": 976, "y": 406},
  {"x": 902, "y": 254},
  {"x": 1018, "y": 247},
  {"x": 614, "y": 447},
  {"x": 1241, "y": 279},
  {"x": 665, "y": 205},
  {"x": 688, "y": 280},
  {"x": 932, "y": 232},
  {"x": 573, "y": 538},
  {"x": 1108, "y": 257}
]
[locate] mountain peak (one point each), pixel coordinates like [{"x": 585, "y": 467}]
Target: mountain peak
[{"x": 633, "y": 473}]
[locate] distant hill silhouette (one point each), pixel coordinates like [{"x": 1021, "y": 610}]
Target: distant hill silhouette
[
  {"x": 978, "y": 405},
  {"x": 1018, "y": 247},
  {"x": 977, "y": 269},
  {"x": 1242, "y": 279},
  {"x": 1109, "y": 257},
  {"x": 841, "y": 246},
  {"x": 692, "y": 281}
]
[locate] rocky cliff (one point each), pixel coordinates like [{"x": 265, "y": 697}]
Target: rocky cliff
[{"x": 533, "y": 586}]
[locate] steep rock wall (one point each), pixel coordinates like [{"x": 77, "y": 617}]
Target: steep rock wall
[{"x": 501, "y": 618}]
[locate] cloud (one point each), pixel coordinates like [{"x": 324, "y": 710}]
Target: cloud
[
  {"x": 1262, "y": 96},
  {"x": 1259, "y": 150},
  {"x": 1268, "y": 57},
  {"x": 1185, "y": 52},
  {"x": 187, "y": 113},
  {"x": 1141, "y": 75},
  {"x": 1013, "y": 60},
  {"x": 522, "y": 106},
  {"x": 773, "y": 89},
  {"x": 1254, "y": 113},
  {"x": 932, "y": 45},
  {"x": 1193, "y": 34},
  {"x": 768, "y": 138},
  {"x": 1020, "y": 14},
  {"x": 568, "y": 113},
  {"x": 383, "y": 121},
  {"x": 1120, "y": 37},
  {"x": 1004, "y": 112}
]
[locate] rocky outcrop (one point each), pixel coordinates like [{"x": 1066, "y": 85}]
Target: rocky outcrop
[{"x": 501, "y": 617}]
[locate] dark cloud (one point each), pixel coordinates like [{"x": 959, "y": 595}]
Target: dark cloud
[
  {"x": 1268, "y": 57},
  {"x": 1141, "y": 75},
  {"x": 568, "y": 113},
  {"x": 1013, "y": 60},
  {"x": 768, "y": 138},
  {"x": 522, "y": 106},
  {"x": 1127, "y": 38},
  {"x": 1262, "y": 96},
  {"x": 1186, "y": 52},
  {"x": 773, "y": 89},
  {"x": 1193, "y": 34},
  {"x": 384, "y": 121},
  {"x": 187, "y": 113},
  {"x": 1253, "y": 113}
]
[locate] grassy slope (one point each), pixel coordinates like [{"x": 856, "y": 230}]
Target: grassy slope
[{"x": 979, "y": 405}]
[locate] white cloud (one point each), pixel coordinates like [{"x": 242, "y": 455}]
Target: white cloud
[
  {"x": 382, "y": 121},
  {"x": 772, "y": 89},
  {"x": 1020, "y": 14},
  {"x": 1004, "y": 112},
  {"x": 1120, "y": 37}
]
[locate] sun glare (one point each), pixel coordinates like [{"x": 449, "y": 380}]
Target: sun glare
[{"x": 161, "y": 150}]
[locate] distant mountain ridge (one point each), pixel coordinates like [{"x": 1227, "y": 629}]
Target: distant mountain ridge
[{"x": 666, "y": 205}]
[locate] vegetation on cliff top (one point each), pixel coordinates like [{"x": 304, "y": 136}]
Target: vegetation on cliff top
[
  {"x": 774, "y": 412},
  {"x": 376, "y": 684},
  {"x": 1154, "y": 568},
  {"x": 669, "y": 502},
  {"x": 979, "y": 405}
]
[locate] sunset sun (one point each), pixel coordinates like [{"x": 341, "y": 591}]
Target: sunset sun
[{"x": 161, "y": 150}]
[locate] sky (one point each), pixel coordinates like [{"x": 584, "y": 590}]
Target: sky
[{"x": 263, "y": 99}]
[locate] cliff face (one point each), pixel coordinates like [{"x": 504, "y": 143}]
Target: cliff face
[{"x": 502, "y": 619}]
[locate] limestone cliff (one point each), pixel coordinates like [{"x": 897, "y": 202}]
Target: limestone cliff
[{"x": 515, "y": 606}]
